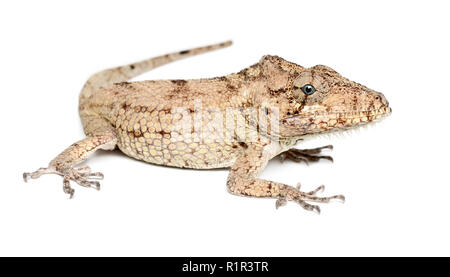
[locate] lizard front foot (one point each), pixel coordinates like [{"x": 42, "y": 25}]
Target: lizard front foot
[
  {"x": 305, "y": 155},
  {"x": 83, "y": 176},
  {"x": 300, "y": 197}
]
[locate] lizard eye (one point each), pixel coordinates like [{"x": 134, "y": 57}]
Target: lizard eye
[{"x": 308, "y": 89}]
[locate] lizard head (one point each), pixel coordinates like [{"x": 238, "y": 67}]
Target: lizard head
[{"x": 317, "y": 99}]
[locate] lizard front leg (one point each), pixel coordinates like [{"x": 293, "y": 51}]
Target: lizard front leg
[
  {"x": 243, "y": 181},
  {"x": 64, "y": 164}
]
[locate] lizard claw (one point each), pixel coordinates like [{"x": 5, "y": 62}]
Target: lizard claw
[
  {"x": 340, "y": 197},
  {"x": 67, "y": 188},
  {"x": 36, "y": 174},
  {"x": 280, "y": 202},
  {"x": 319, "y": 189},
  {"x": 306, "y": 155},
  {"x": 308, "y": 207},
  {"x": 85, "y": 172},
  {"x": 301, "y": 198},
  {"x": 82, "y": 176}
]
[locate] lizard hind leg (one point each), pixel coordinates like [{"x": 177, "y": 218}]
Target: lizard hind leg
[{"x": 64, "y": 164}]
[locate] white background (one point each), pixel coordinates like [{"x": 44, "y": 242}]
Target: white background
[{"x": 394, "y": 175}]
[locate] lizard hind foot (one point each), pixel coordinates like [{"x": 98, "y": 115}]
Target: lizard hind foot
[
  {"x": 282, "y": 201},
  {"x": 306, "y": 155},
  {"x": 301, "y": 198},
  {"x": 83, "y": 176}
]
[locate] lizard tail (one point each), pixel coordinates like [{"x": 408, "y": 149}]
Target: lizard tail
[{"x": 123, "y": 73}]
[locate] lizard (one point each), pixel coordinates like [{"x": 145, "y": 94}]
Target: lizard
[{"x": 268, "y": 106}]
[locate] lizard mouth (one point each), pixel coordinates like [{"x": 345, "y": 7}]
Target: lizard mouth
[
  {"x": 321, "y": 122},
  {"x": 356, "y": 118}
]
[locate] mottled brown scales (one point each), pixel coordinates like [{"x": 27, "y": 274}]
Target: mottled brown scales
[{"x": 241, "y": 121}]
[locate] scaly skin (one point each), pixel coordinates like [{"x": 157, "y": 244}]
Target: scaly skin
[{"x": 241, "y": 120}]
